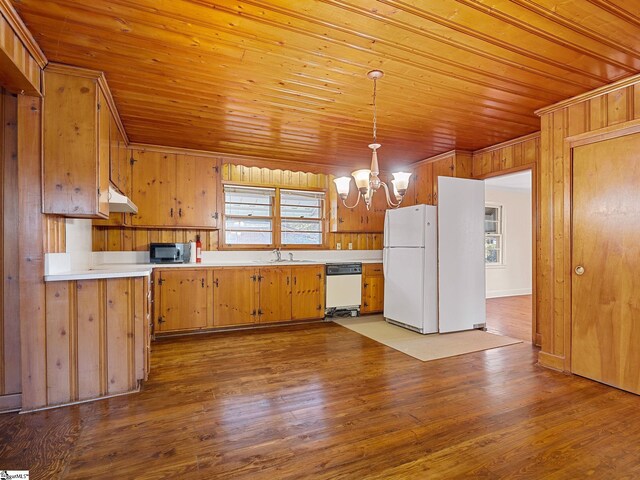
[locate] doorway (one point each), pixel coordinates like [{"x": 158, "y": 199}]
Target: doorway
[{"x": 508, "y": 254}]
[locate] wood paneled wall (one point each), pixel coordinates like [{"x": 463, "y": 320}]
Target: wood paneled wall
[
  {"x": 20, "y": 56},
  {"x": 10, "y": 382},
  {"x": 507, "y": 156},
  {"x": 55, "y": 234},
  {"x": 603, "y": 110},
  {"x": 31, "y": 253},
  {"x": 92, "y": 336},
  {"x": 521, "y": 153},
  {"x": 118, "y": 238},
  {"x": 115, "y": 239}
]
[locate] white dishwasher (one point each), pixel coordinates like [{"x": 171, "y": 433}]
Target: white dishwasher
[{"x": 344, "y": 289}]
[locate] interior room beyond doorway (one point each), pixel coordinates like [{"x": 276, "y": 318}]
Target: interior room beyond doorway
[{"x": 508, "y": 254}]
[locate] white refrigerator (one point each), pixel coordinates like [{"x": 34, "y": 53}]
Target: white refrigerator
[
  {"x": 410, "y": 261},
  {"x": 433, "y": 257}
]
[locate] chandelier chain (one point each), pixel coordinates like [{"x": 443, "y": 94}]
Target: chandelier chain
[{"x": 375, "y": 118}]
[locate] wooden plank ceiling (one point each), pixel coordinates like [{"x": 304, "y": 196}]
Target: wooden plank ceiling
[{"x": 287, "y": 79}]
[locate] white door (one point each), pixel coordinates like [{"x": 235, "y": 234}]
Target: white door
[
  {"x": 404, "y": 227},
  {"x": 461, "y": 254},
  {"x": 404, "y": 286}
]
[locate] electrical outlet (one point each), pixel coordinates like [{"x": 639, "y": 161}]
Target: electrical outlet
[
  {"x": 338, "y": 246},
  {"x": 350, "y": 246}
]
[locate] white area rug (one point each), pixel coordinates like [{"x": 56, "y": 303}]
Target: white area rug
[{"x": 424, "y": 347}]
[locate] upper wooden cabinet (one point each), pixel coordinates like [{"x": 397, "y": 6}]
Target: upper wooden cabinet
[
  {"x": 359, "y": 219},
  {"x": 76, "y": 143},
  {"x": 174, "y": 190},
  {"x": 120, "y": 166},
  {"x": 455, "y": 163}
]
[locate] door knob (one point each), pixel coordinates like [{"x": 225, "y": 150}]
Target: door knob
[{"x": 579, "y": 270}]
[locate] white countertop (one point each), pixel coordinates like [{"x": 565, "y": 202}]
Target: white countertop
[
  {"x": 102, "y": 271},
  {"x": 117, "y": 270}
]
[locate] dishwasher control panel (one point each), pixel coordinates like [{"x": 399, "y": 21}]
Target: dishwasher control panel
[{"x": 344, "y": 269}]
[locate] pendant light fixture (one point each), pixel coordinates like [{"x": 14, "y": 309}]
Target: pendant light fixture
[{"x": 367, "y": 180}]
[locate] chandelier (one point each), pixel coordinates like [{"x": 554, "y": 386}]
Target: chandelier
[{"x": 367, "y": 181}]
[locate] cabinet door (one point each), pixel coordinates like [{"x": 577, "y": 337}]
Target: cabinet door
[
  {"x": 183, "y": 299},
  {"x": 70, "y": 146},
  {"x": 234, "y": 296},
  {"x": 196, "y": 180},
  {"x": 124, "y": 170},
  {"x": 275, "y": 294},
  {"x": 372, "y": 289},
  {"x": 307, "y": 292},
  {"x": 441, "y": 168},
  {"x": 114, "y": 152},
  {"x": 154, "y": 188},
  {"x": 423, "y": 182},
  {"x": 104, "y": 150}
]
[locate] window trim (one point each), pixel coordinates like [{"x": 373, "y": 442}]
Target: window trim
[
  {"x": 277, "y": 219},
  {"x": 500, "y": 236}
]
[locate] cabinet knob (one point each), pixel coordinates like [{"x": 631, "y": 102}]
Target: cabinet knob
[{"x": 579, "y": 270}]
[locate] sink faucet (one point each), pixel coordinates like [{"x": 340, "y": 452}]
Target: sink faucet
[
  {"x": 278, "y": 254},
  {"x": 291, "y": 256}
]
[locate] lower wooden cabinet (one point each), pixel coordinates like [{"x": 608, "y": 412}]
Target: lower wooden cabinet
[
  {"x": 188, "y": 299},
  {"x": 274, "y": 294},
  {"x": 307, "y": 293},
  {"x": 182, "y": 299},
  {"x": 97, "y": 337},
  {"x": 372, "y": 288},
  {"x": 234, "y": 296}
]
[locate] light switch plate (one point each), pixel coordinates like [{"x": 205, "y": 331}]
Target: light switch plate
[
  {"x": 338, "y": 246},
  {"x": 350, "y": 246}
]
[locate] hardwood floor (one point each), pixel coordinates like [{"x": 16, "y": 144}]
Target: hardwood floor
[
  {"x": 321, "y": 401},
  {"x": 510, "y": 316}
]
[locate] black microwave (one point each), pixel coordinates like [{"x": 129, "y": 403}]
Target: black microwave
[{"x": 169, "y": 252}]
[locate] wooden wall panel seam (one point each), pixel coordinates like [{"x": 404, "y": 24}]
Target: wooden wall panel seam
[
  {"x": 73, "y": 340},
  {"x": 102, "y": 308}
]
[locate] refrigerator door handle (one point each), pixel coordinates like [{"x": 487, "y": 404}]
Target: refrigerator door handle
[
  {"x": 385, "y": 231},
  {"x": 384, "y": 262}
]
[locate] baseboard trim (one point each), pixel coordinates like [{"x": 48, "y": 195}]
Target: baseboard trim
[
  {"x": 79, "y": 402},
  {"x": 549, "y": 360},
  {"x": 10, "y": 403},
  {"x": 508, "y": 293}
]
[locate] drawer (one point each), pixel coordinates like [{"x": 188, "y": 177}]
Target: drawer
[{"x": 372, "y": 269}]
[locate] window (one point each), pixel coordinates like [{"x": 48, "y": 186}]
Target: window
[
  {"x": 493, "y": 240},
  {"x": 252, "y": 216},
  {"x": 301, "y": 217},
  {"x": 248, "y": 215}
]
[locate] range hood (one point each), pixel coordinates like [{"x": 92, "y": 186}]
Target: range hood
[{"x": 120, "y": 203}]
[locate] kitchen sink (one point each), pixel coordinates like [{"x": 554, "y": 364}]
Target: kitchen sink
[{"x": 284, "y": 262}]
